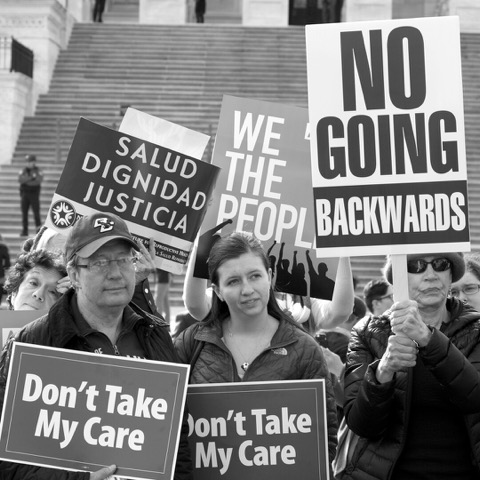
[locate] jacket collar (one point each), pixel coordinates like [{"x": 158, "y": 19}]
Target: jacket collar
[
  {"x": 61, "y": 319},
  {"x": 212, "y": 333}
]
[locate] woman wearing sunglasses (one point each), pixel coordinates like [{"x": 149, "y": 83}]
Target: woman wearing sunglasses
[{"x": 412, "y": 382}]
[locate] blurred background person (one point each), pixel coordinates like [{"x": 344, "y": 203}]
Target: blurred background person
[
  {"x": 468, "y": 287},
  {"x": 378, "y": 295},
  {"x": 30, "y": 180}
]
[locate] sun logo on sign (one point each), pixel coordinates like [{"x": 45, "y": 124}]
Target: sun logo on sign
[{"x": 62, "y": 214}]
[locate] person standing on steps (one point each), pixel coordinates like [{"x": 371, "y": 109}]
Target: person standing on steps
[
  {"x": 30, "y": 180},
  {"x": 98, "y": 9},
  {"x": 200, "y": 7}
]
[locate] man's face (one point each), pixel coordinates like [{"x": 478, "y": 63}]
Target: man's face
[
  {"x": 383, "y": 303},
  {"x": 110, "y": 287}
]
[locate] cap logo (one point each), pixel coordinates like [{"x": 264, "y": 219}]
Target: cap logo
[{"x": 104, "y": 224}]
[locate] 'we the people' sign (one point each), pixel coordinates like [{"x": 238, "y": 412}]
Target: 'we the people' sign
[{"x": 387, "y": 136}]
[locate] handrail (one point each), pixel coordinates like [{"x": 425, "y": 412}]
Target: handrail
[{"x": 15, "y": 57}]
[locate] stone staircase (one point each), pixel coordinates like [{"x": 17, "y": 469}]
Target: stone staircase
[{"x": 180, "y": 73}]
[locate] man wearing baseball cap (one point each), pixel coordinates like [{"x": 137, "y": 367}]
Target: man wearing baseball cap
[{"x": 96, "y": 316}]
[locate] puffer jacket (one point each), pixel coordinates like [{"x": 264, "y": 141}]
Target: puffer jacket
[
  {"x": 292, "y": 355},
  {"x": 378, "y": 413},
  {"x": 57, "y": 329}
]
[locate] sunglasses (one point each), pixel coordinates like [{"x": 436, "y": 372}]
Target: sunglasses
[{"x": 419, "y": 265}]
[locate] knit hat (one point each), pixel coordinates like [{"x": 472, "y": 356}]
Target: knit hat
[
  {"x": 458, "y": 264},
  {"x": 91, "y": 232}
]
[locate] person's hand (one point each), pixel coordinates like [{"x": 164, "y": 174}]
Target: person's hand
[
  {"x": 103, "y": 473},
  {"x": 63, "y": 285},
  {"x": 401, "y": 353},
  {"x": 405, "y": 319},
  {"x": 145, "y": 261}
]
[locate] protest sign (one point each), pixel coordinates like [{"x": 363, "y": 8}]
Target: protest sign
[
  {"x": 11, "y": 321},
  {"x": 388, "y": 142},
  {"x": 265, "y": 187},
  {"x": 259, "y": 430},
  {"x": 159, "y": 192},
  {"x": 79, "y": 411},
  {"x": 162, "y": 132}
]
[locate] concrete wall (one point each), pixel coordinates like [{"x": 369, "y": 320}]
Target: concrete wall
[
  {"x": 169, "y": 12},
  {"x": 271, "y": 13},
  {"x": 43, "y": 26},
  {"x": 15, "y": 98},
  {"x": 469, "y": 13}
]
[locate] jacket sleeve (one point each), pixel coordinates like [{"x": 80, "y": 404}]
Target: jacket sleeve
[
  {"x": 183, "y": 346},
  {"x": 368, "y": 403},
  {"x": 184, "y": 466},
  {"x": 459, "y": 375},
  {"x": 20, "y": 471},
  {"x": 316, "y": 367}
]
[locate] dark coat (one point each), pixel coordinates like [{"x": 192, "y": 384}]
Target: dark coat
[
  {"x": 379, "y": 412},
  {"x": 292, "y": 355},
  {"x": 57, "y": 329}
]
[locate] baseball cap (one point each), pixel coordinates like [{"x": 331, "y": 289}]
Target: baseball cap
[
  {"x": 91, "y": 232},
  {"x": 30, "y": 158}
]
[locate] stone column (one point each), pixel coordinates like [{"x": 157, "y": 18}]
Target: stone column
[
  {"x": 365, "y": 10},
  {"x": 15, "y": 98},
  {"x": 41, "y": 26},
  {"x": 469, "y": 13},
  {"x": 265, "y": 13},
  {"x": 168, "y": 12}
]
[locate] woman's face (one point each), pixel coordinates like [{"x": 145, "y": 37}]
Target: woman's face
[
  {"x": 468, "y": 282},
  {"x": 429, "y": 288},
  {"x": 244, "y": 285},
  {"x": 38, "y": 290}
]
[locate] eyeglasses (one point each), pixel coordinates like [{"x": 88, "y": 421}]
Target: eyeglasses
[
  {"x": 419, "y": 265},
  {"x": 467, "y": 290},
  {"x": 385, "y": 296},
  {"x": 102, "y": 265}
]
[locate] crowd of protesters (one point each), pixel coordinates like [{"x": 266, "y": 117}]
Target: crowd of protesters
[{"x": 402, "y": 378}]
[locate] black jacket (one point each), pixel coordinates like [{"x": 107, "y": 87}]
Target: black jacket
[
  {"x": 379, "y": 412},
  {"x": 57, "y": 329}
]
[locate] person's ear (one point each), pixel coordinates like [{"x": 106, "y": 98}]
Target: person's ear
[
  {"x": 74, "y": 277},
  {"x": 217, "y": 291}
]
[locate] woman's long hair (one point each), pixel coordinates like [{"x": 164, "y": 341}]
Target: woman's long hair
[{"x": 230, "y": 247}]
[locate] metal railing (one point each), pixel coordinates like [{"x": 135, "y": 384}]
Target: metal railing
[{"x": 15, "y": 57}]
